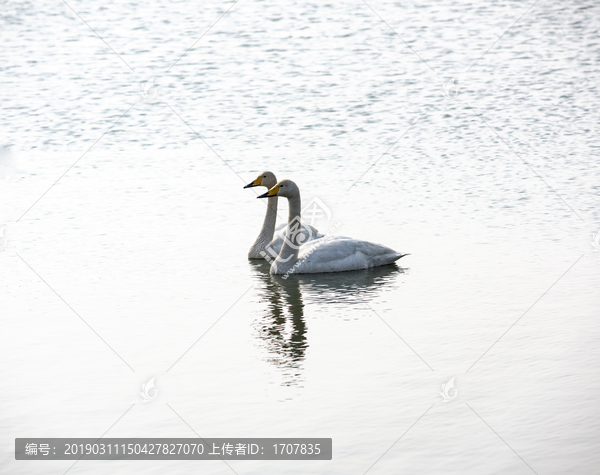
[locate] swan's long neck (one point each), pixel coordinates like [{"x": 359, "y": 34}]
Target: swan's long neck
[
  {"x": 268, "y": 229},
  {"x": 289, "y": 251},
  {"x": 270, "y": 217}
]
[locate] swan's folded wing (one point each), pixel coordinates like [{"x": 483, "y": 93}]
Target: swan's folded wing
[
  {"x": 312, "y": 231},
  {"x": 336, "y": 254}
]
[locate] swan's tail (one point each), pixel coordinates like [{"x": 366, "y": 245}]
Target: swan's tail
[{"x": 387, "y": 259}]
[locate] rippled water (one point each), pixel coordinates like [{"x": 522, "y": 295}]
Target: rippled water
[{"x": 465, "y": 134}]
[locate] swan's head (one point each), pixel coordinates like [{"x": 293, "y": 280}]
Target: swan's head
[
  {"x": 266, "y": 179},
  {"x": 285, "y": 188}
]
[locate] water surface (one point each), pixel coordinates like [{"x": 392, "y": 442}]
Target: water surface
[{"x": 133, "y": 265}]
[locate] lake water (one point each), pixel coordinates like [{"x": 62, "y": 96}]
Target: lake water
[{"x": 463, "y": 133}]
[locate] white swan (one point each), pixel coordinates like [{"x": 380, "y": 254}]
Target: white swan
[
  {"x": 266, "y": 245},
  {"x": 328, "y": 254}
]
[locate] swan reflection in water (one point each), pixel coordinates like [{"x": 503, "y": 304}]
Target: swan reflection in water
[{"x": 281, "y": 326}]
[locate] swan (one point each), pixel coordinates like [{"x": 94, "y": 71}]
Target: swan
[
  {"x": 265, "y": 243},
  {"x": 327, "y": 254}
]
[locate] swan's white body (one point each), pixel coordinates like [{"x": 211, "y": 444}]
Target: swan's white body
[
  {"x": 270, "y": 239},
  {"x": 337, "y": 254},
  {"x": 327, "y": 254}
]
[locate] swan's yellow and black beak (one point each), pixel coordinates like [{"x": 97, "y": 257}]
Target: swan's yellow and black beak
[
  {"x": 256, "y": 182},
  {"x": 272, "y": 192}
]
